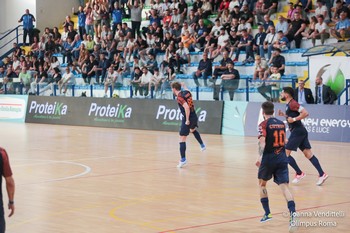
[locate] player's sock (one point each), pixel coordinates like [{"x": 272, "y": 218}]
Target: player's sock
[
  {"x": 317, "y": 165},
  {"x": 198, "y": 137},
  {"x": 291, "y": 206},
  {"x": 183, "y": 151},
  {"x": 294, "y": 165},
  {"x": 265, "y": 203}
]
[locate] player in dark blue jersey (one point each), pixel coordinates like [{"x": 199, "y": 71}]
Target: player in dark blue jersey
[
  {"x": 189, "y": 120},
  {"x": 272, "y": 160},
  {"x": 299, "y": 136}
]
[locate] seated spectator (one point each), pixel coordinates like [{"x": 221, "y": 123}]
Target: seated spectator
[
  {"x": 234, "y": 40},
  {"x": 169, "y": 77},
  {"x": 267, "y": 23},
  {"x": 296, "y": 27},
  {"x": 89, "y": 69},
  {"x": 182, "y": 56},
  {"x": 321, "y": 31},
  {"x": 311, "y": 28},
  {"x": 56, "y": 77},
  {"x": 324, "y": 94},
  {"x": 303, "y": 95},
  {"x": 276, "y": 60},
  {"x": 269, "y": 8},
  {"x": 230, "y": 81},
  {"x": 207, "y": 8},
  {"x": 260, "y": 67},
  {"x": 268, "y": 43},
  {"x": 341, "y": 31},
  {"x": 7, "y": 86},
  {"x": 282, "y": 42},
  {"x": 282, "y": 24},
  {"x": 244, "y": 25},
  {"x": 305, "y": 4},
  {"x": 204, "y": 70},
  {"x": 111, "y": 78},
  {"x": 102, "y": 67},
  {"x": 219, "y": 70},
  {"x": 222, "y": 44},
  {"x": 155, "y": 82},
  {"x": 25, "y": 79},
  {"x": 144, "y": 81},
  {"x": 259, "y": 39},
  {"x": 67, "y": 79},
  {"x": 225, "y": 19},
  {"x": 321, "y": 9},
  {"x": 123, "y": 69},
  {"x": 271, "y": 87},
  {"x": 245, "y": 44},
  {"x": 66, "y": 51},
  {"x": 189, "y": 41},
  {"x": 290, "y": 13},
  {"x": 339, "y": 8},
  {"x": 41, "y": 80}
]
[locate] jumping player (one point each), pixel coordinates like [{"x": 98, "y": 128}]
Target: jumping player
[
  {"x": 299, "y": 136},
  {"x": 273, "y": 161},
  {"x": 189, "y": 120}
]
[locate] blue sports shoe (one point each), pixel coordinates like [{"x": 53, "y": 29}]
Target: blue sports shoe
[
  {"x": 203, "y": 147},
  {"x": 266, "y": 218}
]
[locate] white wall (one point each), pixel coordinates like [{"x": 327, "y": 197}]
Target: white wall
[{"x": 51, "y": 13}]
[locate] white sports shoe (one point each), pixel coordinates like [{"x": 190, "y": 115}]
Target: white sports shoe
[
  {"x": 322, "y": 179},
  {"x": 203, "y": 147},
  {"x": 298, "y": 178},
  {"x": 181, "y": 164}
]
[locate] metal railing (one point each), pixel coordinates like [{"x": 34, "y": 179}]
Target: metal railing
[
  {"x": 345, "y": 91},
  {"x": 10, "y": 37}
]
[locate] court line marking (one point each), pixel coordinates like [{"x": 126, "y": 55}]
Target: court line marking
[
  {"x": 247, "y": 218},
  {"x": 87, "y": 170}
]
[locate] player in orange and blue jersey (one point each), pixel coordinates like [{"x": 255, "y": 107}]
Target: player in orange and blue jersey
[
  {"x": 189, "y": 120},
  {"x": 273, "y": 161},
  {"x": 299, "y": 136}
]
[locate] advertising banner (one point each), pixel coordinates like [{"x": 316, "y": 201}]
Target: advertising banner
[
  {"x": 121, "y": 113},
  {"x": 13, "y": 108},
  {"x": 333, "y": 70},
  {"x": 325, "y": 122}
]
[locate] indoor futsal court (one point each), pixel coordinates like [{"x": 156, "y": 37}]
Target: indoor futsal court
[{"x": 103, "y": 180}]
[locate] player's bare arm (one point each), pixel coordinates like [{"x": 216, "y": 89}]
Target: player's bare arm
[
  {"x": 187, "y": 112},
  {"x": 261, "y": 147},
  {"x": 10, "y": 187}
]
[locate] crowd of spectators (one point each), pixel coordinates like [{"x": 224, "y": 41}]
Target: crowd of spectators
[{"x": 105, "y": 49}]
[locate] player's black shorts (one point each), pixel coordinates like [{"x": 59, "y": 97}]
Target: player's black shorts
[
  {"x": 277, "y": 169},
  {"x": 185, "y": 129},
  {"x": 298, "y": 139}
]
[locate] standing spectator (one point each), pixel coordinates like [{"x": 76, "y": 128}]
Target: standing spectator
[
  {"x": 81, "y": 21},
  {"x": 303, "y": 95},
  {"x": 296, "y": 27},
  {"x": 117, "y": 16},
  {"x": 6, "y": 172},
  {"x": 28, "y": 26},
  {"x": 324, "y": 94},
  {"x": 89, "y": 21},
  {"x": 204, "y": 70},
  {"x": 136, "y": 17}
]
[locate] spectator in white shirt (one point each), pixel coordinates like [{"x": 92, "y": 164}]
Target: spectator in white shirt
[{"x": 321, "y": 31}]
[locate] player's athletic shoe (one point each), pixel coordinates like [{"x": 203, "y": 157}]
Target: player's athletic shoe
[
  {"x": 322, "y": 179},
  {"x": 181, "y": 164},
  {"x": 298, "y": 178},
  {"x": 293, "y": 223},
  {"x": 266, "y": 218},
  {"x": 203, "y": 147}
]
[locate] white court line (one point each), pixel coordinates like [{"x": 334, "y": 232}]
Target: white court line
[{"x": 87, "y": 169}]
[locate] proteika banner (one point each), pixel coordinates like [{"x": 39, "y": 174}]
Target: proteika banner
[{"x": 121, "y": 113}]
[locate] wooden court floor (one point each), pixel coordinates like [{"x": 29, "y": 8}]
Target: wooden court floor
[{"x": 82, "y": 180}]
